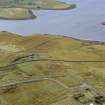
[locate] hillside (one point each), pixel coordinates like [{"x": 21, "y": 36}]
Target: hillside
[
  {"x": 35, "y": 4},
  {"x": 50, "y": 70}
]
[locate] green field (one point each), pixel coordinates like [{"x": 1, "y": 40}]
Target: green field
[
  {"x": 21, "y": 9},
  {"x": 16, "y": 13},
  {"x": 36, "y": 4},
  {"x": 48, "y": 70}
]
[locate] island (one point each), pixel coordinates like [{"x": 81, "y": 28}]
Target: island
[
  {"x": 51, "y": 70},
  {"x": 22, "y": 9}
]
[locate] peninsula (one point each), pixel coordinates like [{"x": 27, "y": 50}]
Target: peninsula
[{"x": 22, "y": 9}]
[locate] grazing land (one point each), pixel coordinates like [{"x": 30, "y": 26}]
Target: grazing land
[
  {"x": 35, "y": 4},
  {"x": 51, "y": 70},
  {"x": 16, "y": 13},
  {"x": 21, "y": 9}
]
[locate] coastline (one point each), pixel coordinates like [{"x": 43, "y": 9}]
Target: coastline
[
  {"x": 56, "y": 35},
  {"x": 72, "y": 6},
  {"x": 63, "y": 36}
]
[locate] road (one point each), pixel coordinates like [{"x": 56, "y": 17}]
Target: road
[{"x": 24, "y": 82}]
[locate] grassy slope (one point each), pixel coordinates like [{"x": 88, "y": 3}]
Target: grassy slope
[
  {"x": 46, "y": 4},
  {"x": 40, "y": 56},
  {"x": 36, "y": 4},
  {"x": 8, "y": 45},
  {"x": 15, "y": 13}
]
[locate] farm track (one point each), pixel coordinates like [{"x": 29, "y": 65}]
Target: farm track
[
  {"x": 52, "y": 78},
  {"x": 13, "y": 65}
]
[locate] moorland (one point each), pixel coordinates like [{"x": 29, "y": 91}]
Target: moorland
[{"x": 51, "y": 70}]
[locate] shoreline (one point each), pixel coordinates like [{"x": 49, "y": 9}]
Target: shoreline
[
  {"x": 33, "y": 16},
  {"x": 82, "y": 40},
  {"x": 60, "y": 36}
]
